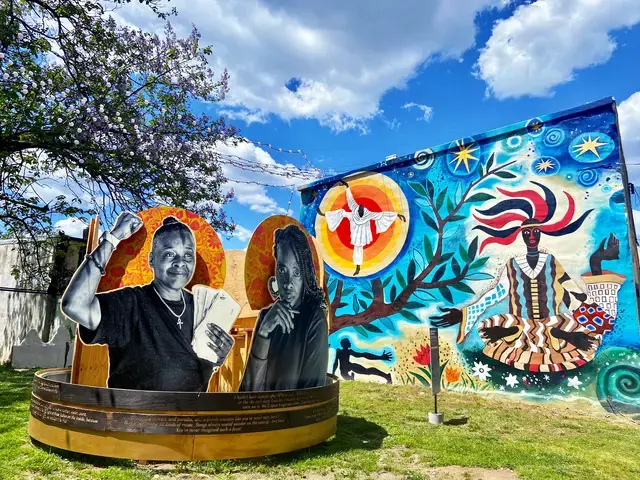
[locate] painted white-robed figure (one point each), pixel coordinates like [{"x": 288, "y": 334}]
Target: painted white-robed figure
[{"x": 360, "y": 218}]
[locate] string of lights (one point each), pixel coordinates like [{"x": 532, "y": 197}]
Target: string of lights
[{"x": 285, "y": 150}]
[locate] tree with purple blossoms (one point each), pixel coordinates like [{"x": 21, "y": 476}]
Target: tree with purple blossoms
[{"x": 105, "y": 111}]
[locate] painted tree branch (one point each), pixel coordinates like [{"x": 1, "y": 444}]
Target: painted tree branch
[{"x": 379, "y": 308}]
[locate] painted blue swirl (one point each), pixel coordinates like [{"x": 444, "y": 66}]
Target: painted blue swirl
[
  {"x": 618, "y": 388},
  {"x": 588, "y": 178},
  {"x": 554, "y": 137}
]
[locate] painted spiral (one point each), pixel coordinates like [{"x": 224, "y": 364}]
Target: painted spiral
[
  {"x": 588, "y": 178},
  {"x": 554, "y": 137},
  {"x": 423, "y": 159},
  {"x": 618, "y": 388}
]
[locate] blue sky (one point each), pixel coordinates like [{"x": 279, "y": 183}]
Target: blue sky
[{"x": 352, "y": 82}]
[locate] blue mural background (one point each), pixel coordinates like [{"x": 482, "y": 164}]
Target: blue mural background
[{"x": 576, "y": 151}]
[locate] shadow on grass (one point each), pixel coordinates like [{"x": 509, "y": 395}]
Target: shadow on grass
[
  {"x": 353, "y": 434},
  {"x": 457, "y": 421},
  {"x": 16, "y": 385}
]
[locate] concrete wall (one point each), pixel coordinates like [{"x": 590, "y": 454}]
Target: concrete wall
[{"x": 515, "y": 244}]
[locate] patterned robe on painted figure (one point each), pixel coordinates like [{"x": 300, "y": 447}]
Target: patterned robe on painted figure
[
  {"x": 539, "y": 299},
  {"x": 361, "y": 234}
]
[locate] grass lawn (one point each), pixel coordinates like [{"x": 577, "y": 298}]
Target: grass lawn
[{"x": 382, "y": 434}]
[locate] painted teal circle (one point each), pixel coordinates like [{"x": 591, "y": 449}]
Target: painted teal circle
[
  {"x": 512, "y": 144},
  {"x": 582, "y": 147},
  {"x": 463, "y": 165}
]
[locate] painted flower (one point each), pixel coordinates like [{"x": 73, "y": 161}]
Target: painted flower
[
  {"x": 481, "y": 371},
  {"x": 423, "y": 355},
  {"x": 452, "y": 374}
]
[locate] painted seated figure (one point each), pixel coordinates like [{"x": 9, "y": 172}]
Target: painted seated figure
[{"x": 551, "y": 324}]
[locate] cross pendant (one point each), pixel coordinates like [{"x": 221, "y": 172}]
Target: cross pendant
[{"x": 180, "y": 322}]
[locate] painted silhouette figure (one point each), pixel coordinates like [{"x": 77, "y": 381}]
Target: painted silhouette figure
[
  {"x": 347, "y": 368},
  {"x": 360, "y": 219}
]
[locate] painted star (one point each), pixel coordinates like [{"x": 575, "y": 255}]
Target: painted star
[
  {"x": 575, "y": 382},
  {"x": 589, "y": 146},
  {"x": 546, "y": 377},
  {"x": 545, "y": 165},
  {"x": 463, "y": 155},
  {"x": 512, "y": 380},
  {"x": 536, "y": 126}
]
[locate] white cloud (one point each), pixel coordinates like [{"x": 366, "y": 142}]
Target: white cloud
[
  {"x": 544, "y": 43},
  {"x": 337, "y": 57},
  {"x": 629, "y": 118},
  {"x": 427, "y": 112},
  {"x": 70, "y": 226},
  {"x": 242, "y": 234}
]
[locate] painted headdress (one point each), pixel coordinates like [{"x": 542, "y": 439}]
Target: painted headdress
[{"x": 529, "y": 209}]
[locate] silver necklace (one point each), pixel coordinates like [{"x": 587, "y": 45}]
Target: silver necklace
[{"x": 179, "y": 317}]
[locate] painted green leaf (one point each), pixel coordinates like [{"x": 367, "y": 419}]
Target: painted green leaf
[
  {"x": 479, "y": 263},
  {"x": 455, "y": 267},
  {"x": 439, "y": 273},
  {"x": 430, "y": 188},
  {"x": 348, "y": 291},
  {"x": 411, "y": 317},
  {"x": 393, "y": 293},
  {"x": 450, "y": 206},
  {"x": 421, "y": 378},
  {"x": 426, "y": 371},
  {"x": 429, "y": 221},
  {"x": 503, "y": 174},
  {"x": 440, "y": 200},
  {"x": 361, "y": 331},
  {"x": 480, "y": 169},
  {"x": 473, "y": 249},
  {"x": 492, "y": 157},
  {"x": 387, "y": 282},
  {"x": 477, "y": 276},
  {"x": 428, "y": 249},
  {"x": 333, "y": 283},
  {"x": 479, "y": 197},
  {"x": 414, "y": 305},
  {"x": 411, "y": 271},
  {"x": 463, "y": 253},
  {"x": 445, "y": 257},
  {"x": 419, "y": 259},
  {"x": 418, "y": 188},
  {"x": 401, "y": 280},
  {"x": 362, "y": 303},
  {"x": 371, "y": 328},
  {"x": 355, "y": 305},
  {"x": 457, "y": 218},
  {"x": 463, "y": 287},
  {"x": 387, "y": 322},
  {"x": 366, "y": 294},
  {"x": 424, "y": 294},
  {"x": 446, "y": 294}
]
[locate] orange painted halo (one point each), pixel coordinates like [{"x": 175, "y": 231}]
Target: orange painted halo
[
  {"x": 260, "y": 265},
  {"x": 129, "y": 264},
  {"x": 379, "y": 193}
]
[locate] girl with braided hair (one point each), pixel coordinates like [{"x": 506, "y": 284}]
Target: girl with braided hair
[
  {"x": 543, "y": 331},
  {"x": 290, "y": 348}
]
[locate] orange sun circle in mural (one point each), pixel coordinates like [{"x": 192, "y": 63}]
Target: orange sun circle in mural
[
  {"x": 129, "y": 263},
  {"x": 364, "y": 225}
]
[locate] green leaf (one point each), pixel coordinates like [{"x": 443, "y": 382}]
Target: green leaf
[
  {"x": 503, "y": 174},
  {"x": 473, "y": 249},
  {"x": 463, "y": 253},
  {"x": 371, "y": 328},
  {"x": 430, "y": 188},
  {"x": 362, "y": 303},
  {"x": 440, "y": 200},
  {"x": 446, "y": 294},
  {"x": 450, "y": 206},
  {"x": 479, "y": 263},
  {"x": 387, "y": 282},
  {"x": 428, "y": 249},
  {"x": 426, "y": 371},
  {"x": 480, "y": 169},
  {"x": 393, "y": 293},
  {"x": 361, "y": 331},
  {"x": 347, "y": 291},
  {"x": 492, "y": 157},
  {"x": 455, "y": 267},
  {"x": 424, "y": 293},
  {"x": 333, "y": 283},
  {"x": 387, "y": 322},
  {"x": 411, "y": 317},
  {"x": 401, "y": 280},
  {"x": 479, "y": 197},
  {"x": 423, "y": 380},
  {"x": 418, "y": 188},
  {"x": 429, "y": 221},
  {"x": 457, "y": 218},
  {"x": 474, "y": 277},
  {"x": 463, "y": 287},
  {"x": 355, "y": 305},
  {"x": 445, "y": 257},
  {"x": 366, "y": 294},
  {"x": 439, "y": 273},
  {"x": 411, "y": 271},
  {"x": 414, "y": 305}
]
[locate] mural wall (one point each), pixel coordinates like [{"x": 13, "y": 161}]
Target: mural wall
[{"x": 514, "y": 243}]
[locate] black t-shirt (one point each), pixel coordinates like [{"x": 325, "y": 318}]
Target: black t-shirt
[{"x": 147, "y": 348}]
